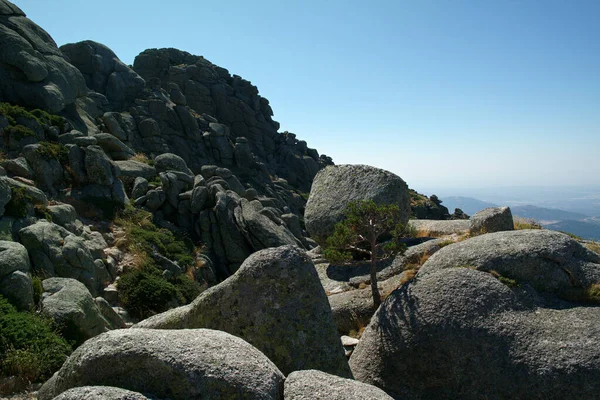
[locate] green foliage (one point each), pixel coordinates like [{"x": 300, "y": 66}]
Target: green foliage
[
  {"x": 145, "y": 291},
  {"x": 55, "y": 151},
  {"x": 18, "y": 132},
  {"x": 360, "y": 234},
  {"x": 29, "y": 346},
  {"x": 12, "y": 113},
  {"x": 38, "y": 289},
  {"x": 45, "y": 118},
  {"x": 364, "y": 221},
  {"x": 142, "y": 234},
  {"x": 18, "y": 205},
  {"x": 187, "y": 288}
]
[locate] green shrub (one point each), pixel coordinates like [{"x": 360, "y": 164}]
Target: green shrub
[
  {"x": 142, "y": 234},
  {"x": 29, "y": 346},
  {"x": 38, "y": 289},
  {"x": 55, "y": 151},
  {"x": 145, "y": 292},
  {"x": 187, "y": 288},
  {"x": 18, "y": 132},
  {"x": 12, "y": 112},
  {"x": 45, "y": 118},
  {"x": 18, "y": 205}
]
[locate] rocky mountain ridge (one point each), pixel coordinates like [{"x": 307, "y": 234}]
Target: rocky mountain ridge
[{"x": 161, "y": 197}]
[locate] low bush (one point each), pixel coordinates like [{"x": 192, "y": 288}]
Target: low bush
[
  {"x": 142, "y": 235},
  {"x": 29, "y": 345},
  {"x": 12, "y": 113},
  {"x": 55, "y": 151},
  {"x": 145, "y": 291},
  {"x": 18, "y": 205}
]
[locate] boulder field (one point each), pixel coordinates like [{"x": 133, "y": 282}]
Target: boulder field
[{"x": 164, "y": 191}]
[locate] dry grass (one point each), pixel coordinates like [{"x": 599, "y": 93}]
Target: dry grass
[
  {"x": 446, "y": 242},
  {"x": 141, "y": 157},
  {"x": 525, "y": 223},
  {"x": 593, "y": 246},
  {"x": 357, "y": 333},
  {"x": 408, "y": 275},
  {"x": 422, "y": 233}
]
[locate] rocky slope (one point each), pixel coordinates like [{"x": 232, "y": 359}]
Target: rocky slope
[{"x": 162, "y": 195}]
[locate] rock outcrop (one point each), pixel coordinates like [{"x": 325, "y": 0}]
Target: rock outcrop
[
  {"x": 175, "y": 364},
  {"x": 33, "y": 71},
  {"x": 336, "y": 186},
  {"x": 461, "y": 332},
  {"x": 288, "y": 317}
]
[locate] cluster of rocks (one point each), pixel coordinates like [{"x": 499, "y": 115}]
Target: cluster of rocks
[
  {"x": 286, "y": 330},
  {"x": 222, "y": 172},
  {"x": 461, "y": 329},
  {"x": 489, "y": 220},
  {"x": 502, "y": 314}
]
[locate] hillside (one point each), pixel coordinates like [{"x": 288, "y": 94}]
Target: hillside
[{"x": 161, "y": 238}]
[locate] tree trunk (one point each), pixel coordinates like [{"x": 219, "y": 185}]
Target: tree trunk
[{"x": 374, "y": 288}]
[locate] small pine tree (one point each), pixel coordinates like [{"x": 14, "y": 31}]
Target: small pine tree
[{"x": 365, "y": 225}]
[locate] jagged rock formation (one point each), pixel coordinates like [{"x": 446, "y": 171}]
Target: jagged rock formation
[
  {"x": 243, "y": 189},
  {"x": 474, "y": 333},
  {"x": 33, "y": 71}
]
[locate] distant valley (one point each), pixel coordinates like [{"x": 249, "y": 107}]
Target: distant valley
[{"x": 576, "y": 223}]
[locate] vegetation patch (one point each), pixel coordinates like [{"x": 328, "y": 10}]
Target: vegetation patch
[
  {"x": 12, "y": 113},
  {"x": 143, "y": 290},
  {"x": 593, "y": 246},
  {"x": 18, "y": 132},
  {"x": 56, "y": 151},
  {"x": 18, "y": 206},
  {"x": 142, "y": 235},
  {"x": 29, "y": 345},
  {"x": 143, "y": 158},
  {"x": 525, "y": 223},
  {"x": 511, "y": 283}
]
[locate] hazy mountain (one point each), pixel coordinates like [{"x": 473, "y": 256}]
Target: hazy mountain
[
  {"x": 584, "y": 229},
  {"x": 469, "y": 205},
  {"x": 545, "y": 215}
]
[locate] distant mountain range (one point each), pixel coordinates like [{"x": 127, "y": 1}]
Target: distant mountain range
[
  {"x": 469, "y": 205},
  {"x": 578, "y": 224},
  {"x": 546, "y": 216}
]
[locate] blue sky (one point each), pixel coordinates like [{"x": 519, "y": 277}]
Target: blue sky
[{"x": 443, "y": 93}]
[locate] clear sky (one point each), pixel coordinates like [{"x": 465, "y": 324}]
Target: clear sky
[{"x": 443, "y": 93}]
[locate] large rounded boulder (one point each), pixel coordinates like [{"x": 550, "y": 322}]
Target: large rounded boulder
[
  {"x": 174, "y": 364},
  {"x": 337, "y": 186},
  {"x": 71, "y": 306},
  {"x": 275, "y": 301},
  {"x": 15, "y": 278},
  {"x": 311, "y": 384},
  {"x": 464, "y": 329}
]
